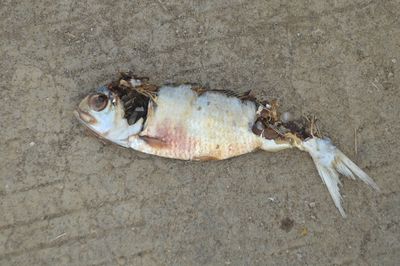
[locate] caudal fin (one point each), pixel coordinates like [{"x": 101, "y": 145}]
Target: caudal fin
[{"x": 331, "y": 162}]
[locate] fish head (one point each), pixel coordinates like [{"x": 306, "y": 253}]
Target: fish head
[{"x": 103, "y": 113}]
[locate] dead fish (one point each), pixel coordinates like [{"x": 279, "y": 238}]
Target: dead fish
[{"x": 190, "y": 122}]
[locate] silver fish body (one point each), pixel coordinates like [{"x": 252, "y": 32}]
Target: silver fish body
[
  {"x": 188, "y": 126},
  {"x": 188, "y": 123}
]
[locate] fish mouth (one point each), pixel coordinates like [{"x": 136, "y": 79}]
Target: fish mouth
[
  {"x": 77, "y": 114},
  {"x": 84, "y": 117}
]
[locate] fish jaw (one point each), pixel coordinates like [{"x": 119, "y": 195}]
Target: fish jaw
[{"x": 84, "y": 117}]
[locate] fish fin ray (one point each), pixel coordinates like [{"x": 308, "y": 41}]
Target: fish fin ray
[{"x": 330, "y": 162}]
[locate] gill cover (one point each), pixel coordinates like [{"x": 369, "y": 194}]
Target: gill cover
[{"x": 103, "y": 113}]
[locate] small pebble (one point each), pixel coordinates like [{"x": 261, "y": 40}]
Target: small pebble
[
  {"x": 312, "y": 204},
  {"x": 304, "y": 232},
  {"x": 32, "y": 144}
]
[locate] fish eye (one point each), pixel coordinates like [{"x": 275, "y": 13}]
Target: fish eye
[{"x": 98, "y": 102}]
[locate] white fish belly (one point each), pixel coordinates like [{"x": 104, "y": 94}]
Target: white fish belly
[{"x": 188, "y": 126}]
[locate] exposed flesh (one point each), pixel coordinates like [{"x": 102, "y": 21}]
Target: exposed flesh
[{"x": 185, "y": 125}]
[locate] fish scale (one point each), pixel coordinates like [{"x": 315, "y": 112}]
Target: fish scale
[{"x": 209, "y": 125}]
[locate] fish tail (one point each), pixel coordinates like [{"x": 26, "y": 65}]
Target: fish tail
[
  {"x": 304, "y": 134},
  {"x": 331, "y": 162}
]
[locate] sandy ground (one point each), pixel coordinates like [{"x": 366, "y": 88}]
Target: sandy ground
[{"x": 68, "y": 199}]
